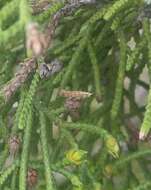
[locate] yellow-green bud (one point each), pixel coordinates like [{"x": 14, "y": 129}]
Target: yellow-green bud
[
  {"x": 76, "y": 156},
  {"x": 112, "y": 146}
]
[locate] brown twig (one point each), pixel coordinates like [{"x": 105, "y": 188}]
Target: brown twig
[
  {"x": 67, "y": 10},
  {"x": 20, "y": 77}
]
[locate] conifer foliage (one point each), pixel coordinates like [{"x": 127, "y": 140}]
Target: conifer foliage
[{"x": 70, "y": 74}]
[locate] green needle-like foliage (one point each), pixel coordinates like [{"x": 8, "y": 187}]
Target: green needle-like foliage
[
  {"x": 119, "y": 84},
  {"x": 75, "y": 94},
  {"x": 45, "y": 150},
  {"x": 25, "y": 152},
  {"x": 27, "y": 105}
]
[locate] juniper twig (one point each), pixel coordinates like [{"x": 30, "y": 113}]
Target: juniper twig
[{"x": 20, "y": 77}]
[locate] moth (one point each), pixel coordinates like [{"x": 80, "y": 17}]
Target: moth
[
  {"x": 82, "y": 1},
  {"x": 47, "y": 70},
  {"x": 75, "y": 94},
  {"x": 73, "y": 101}
]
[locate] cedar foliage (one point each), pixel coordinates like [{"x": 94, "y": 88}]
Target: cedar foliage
[{"x": 70, "y": 119}]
